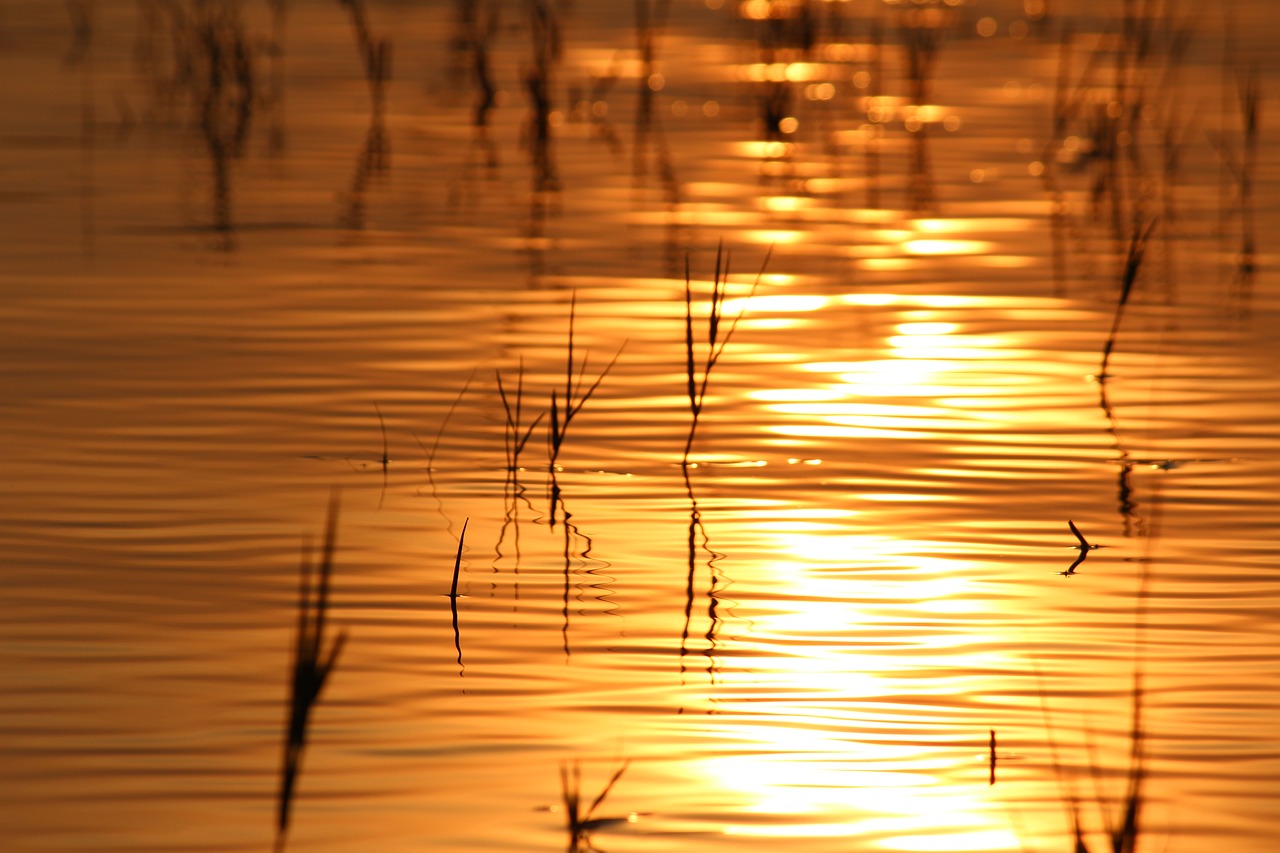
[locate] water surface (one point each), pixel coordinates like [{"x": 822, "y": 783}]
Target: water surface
[{"x": 224, "y": 300}]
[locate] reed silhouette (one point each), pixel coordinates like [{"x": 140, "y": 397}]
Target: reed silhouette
[
  {"x": 580, "y": 822},
  {"x": 453, "y": 597},
  {"x": 514, "y": 440},
  {"x": 563, "y": 411},
  {"x": 696, "y": 386},
  {"x": 313, "y": 663}
]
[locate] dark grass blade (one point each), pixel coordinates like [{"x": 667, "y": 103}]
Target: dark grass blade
[
  {"x": 457, "y": 560},
  {"x": 453, "y": 594},
  {"x": 600, "y": 798}
]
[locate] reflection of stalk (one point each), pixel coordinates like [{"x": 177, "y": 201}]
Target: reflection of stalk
[
  {"x": 697, "y": 389},
  {"x": 374, "y": 53},
  {"x": 696, "y": 531},
  {"x": 539, "y": 83}
]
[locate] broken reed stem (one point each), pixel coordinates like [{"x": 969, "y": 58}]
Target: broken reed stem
[
  {"x": 1133, "y": 263},
  {"x": 574, "y": 397},
  {"x": 697, "y": 388},
  {"x": 311, "y": 667}
]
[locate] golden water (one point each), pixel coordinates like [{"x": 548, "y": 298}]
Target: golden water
[{"x": 806, "y": 644}]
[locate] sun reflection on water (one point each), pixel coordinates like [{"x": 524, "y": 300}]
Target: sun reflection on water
[{"x": 816, "y": 755}]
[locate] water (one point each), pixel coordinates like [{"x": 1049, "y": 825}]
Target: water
[{"x": 215, "y": 301}]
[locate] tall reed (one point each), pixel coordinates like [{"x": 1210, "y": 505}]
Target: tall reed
[
  {"x": 562, "y": 414},
  {"x": 312, "y": 665},
  {"x": 514, "y": 440},
  {"x": 696, "y": 387}
]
